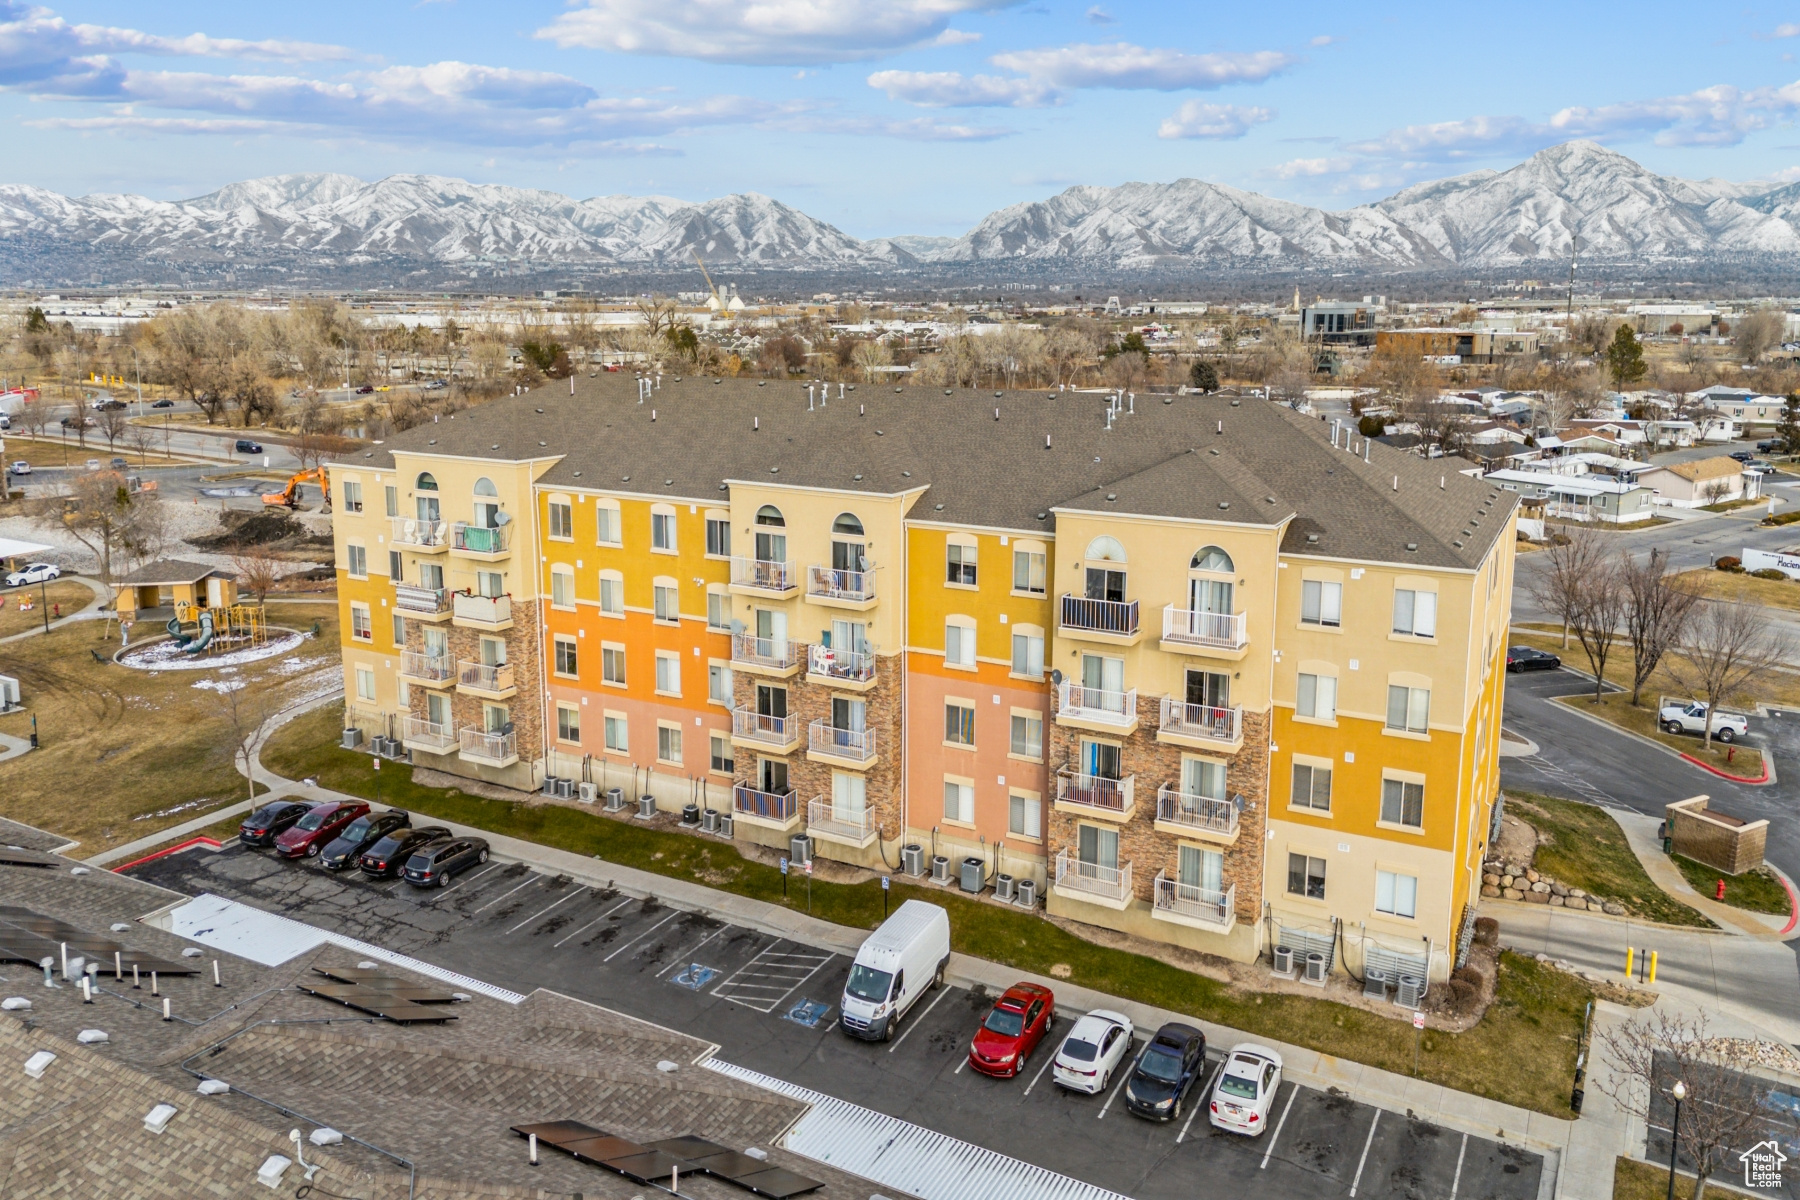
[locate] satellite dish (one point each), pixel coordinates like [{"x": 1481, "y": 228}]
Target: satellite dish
[{"x": 1056, "y": 677}]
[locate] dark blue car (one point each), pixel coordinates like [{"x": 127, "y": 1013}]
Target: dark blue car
[{"x": 1171, "y": 1063}]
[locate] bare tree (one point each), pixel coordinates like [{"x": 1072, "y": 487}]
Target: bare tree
[
  {"x": 1729, "y": 646},
  {"x": 31, "y": 418},
  {"x": 100, "y": 511},
  {"x": 141, "y": 438},
  {"x": 1603, "y": 600},
  {"x": 113, "y": 423},
  {"x": 257, "y": 570},
  {"x": 1656, "y": 614},
  {"x": 1759, "y": 333},
  {"x": 244, "y": 712},
  {"x": 1556, "y": 586}
]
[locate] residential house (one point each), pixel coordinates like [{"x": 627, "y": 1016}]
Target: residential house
[{"x": 1702, "y": 481}]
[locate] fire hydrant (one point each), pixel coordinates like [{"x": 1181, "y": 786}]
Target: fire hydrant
[{"x": 1720, "y": 894}]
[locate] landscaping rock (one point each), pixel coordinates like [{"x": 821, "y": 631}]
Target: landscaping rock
[
  {"x": 1512, "y": 893},
  {"x": 1509, "y": 880},
  {"x": 1490, "y": 891},
  {"x": 1537, "y": 897},
  {"x": 1612, "y": 908},
  {"x": 1541, "y": 888},
  {"x": 1555, "y": 900},
  {"x": 1531, "y": 875},
  {"x": 1558, "y": 889},
  {"x": 1578, "y": 893},
  {"x": 1491, "y": 879},
  {"x": 1574, "y": 903}
]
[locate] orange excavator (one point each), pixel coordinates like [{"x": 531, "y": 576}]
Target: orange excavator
[{"x": 289, "y": 496}]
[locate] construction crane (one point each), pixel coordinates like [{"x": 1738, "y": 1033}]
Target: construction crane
[
  {"x": 289, "y": 496},
  {"x": 718, "y": 301}
]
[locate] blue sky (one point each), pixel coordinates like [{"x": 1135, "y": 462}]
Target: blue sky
[{"x": 882, "y": 116}]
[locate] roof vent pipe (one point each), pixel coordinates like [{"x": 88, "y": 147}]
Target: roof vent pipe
[
  {"x": 1366, "y": 449},
  {"x": 1132, "y": 410},
  {"x": 1221, "y": 427}
]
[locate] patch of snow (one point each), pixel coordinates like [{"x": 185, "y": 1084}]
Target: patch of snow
[
  {"x": 167, "y": 656},
  {"x": 221, "y": 685}
]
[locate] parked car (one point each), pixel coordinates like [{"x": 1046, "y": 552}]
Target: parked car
[
  {"x": 5, "y": 421},
  {"x": 310, "y": 833},
  {"x": 435, "y": 864},
  {"x": 1091, "y": 1053},
  {"x": 1742, "y": 455},
  {"x": 1691, "y": 718},
  {"x": 33, "y": 573},
  {"x": 347, "y": 848},
  {"x": 1012, "y": 1030},
  {"x": 78, "y": 423},
  {"x": 93, "y": 464},
  {"x": 110, "y": 406},
  {"x": 1247, "y": 1085},
  {"x": 262, "y": 827},
  {"x": 385, "y": 858},
  {"x": 433, "y": 385},
  {"x": 120, "y": 464},
  {"x": 1524, "y": 658},
  {"x": 246, "y": 446},
  {"x": 897, "y": 964},
  {"x": 163, "y": 403},
  {"x": 1165, "y": 1072},
  {"x": 21, "y": 467},
  {"x": 1767, "y": 446},
  {"x": 365, "y": 389}
]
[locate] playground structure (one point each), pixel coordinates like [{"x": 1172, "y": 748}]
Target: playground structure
[
  {"x": 229, "y": 626},
  {"x": 198, "y": 603}
]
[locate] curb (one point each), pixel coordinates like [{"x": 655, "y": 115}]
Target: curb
[
  {"x": 209, "y": 843},
  {"x": 1745, "y": 779},
  {"x": 1656, "y": 745}
]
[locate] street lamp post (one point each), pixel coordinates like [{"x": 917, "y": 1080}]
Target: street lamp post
[{"x": 1679, "y": 1091}]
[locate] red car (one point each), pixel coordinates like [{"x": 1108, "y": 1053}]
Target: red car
[
  {"x": 311, "y": 833},
  {"x": 1012, "y": 1030}
]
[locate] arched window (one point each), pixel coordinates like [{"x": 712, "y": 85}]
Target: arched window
[
  {"x": 484, "y": 487},
  {"x": 1105, "y": 549},
  {"x": 426, "y": 502},
  {"x": 847, "y": 525},
  {"x": 1211, "y": 558},
  {"x": 487, "y": 504},
  {"x": 425, "y": 482},
  {"x": 771, "y": 545},
  {"x": 768, "y": 514}
]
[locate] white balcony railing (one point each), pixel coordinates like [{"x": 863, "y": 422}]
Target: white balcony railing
[
  {"x": 478, "y": 539},
  {"x": 1191, "y": 627},
  {"x": 1191, "y": 900},
  {"x": 1176, "y": 807},
  {"x": 483, "y": 677},
  {"x": 1097, "y": 704},
  {"x": 855, "y": 666},
  {"x": 763, "y": 574},
  {"x": 766, "y": 652},
  {"x": 858, "y": 745},
  {"x": 490, "y": 747},
  {"x": 1111, "y": 883},
  {"x": 823, "y": 817},
  {"x": 769, "y": 806},
  {"x": 1095, "y": 791},
  {"x": 763, "y": 728},
  {"x": 486, "y": 610},
  {"x": 1100, "y": 616},
  {"x": 416, "y": 664},
  {"x": 840, "y": 585},
  {"x": 423, "y": 535},
  {"x": 433, "y": 735},
  {"x": 1201, "y": 720},
  {"x": 411, "y": 598}
]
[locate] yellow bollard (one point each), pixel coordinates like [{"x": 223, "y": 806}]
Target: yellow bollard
[
  {"x": 1629, "y": 953},
  {"x": 1652, "y": 978}
]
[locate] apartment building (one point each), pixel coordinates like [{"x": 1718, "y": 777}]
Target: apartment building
[{"x": 1208, "y": 671}]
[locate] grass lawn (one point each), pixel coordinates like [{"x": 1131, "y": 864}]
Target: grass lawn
[
  {"x": 73, "y": 597},
  {"x": 1588, "y": 850},
  {"x": 1523, "y": 1053},
  {"x": 1738, "y": 758},
  {"x": 1634, "y": 1180},
  {"x": 123, "y": 752},
  {"x": 1759, "y": 890},
  {"x": 1727, "y": 585},
  {"x": 51, "y": 452}
]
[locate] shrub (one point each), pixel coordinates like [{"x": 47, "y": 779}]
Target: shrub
[
  {"x": 1471, "y": 975},
  {"x": 1728, "y": 562},
  {"x": 1463, "y": 995},
  {"x": 1371, "y": 426},
  {"x": 1768, "y": 573},
  {"x": 1487, "y": 930}
]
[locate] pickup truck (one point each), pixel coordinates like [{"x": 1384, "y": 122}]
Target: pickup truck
[{"x": 1691, "y": 718}]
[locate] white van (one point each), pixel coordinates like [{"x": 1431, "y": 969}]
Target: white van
[{"x": 899, "y": 963}]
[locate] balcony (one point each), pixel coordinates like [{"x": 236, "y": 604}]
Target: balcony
[
  {"x": 1114, "y": 622},
  {"x": 766, "y": 656},
  {"x": 1201, "y": 726},
  {"x": 1217, "y": 635},
  {"x": 422, "y": 537},
  {"x": 1094, "y": 795},
  {"x": 1187, "y": 815},
  {"x": 853, "y": 670},
  {"x": 827, "y": 743},
  {"x": 774, "y": 810},
  {"x": 422, "y": 603},
  {"x": 760, "y": 577},
  {"x": 1190, "y": 904},
  {"x": 433, "y": 737},
  {"x": 832, "y": 824},
  {"x": 1094, "y": 883},
  {"x": 840, "y": 589},
  {"x": 761, "y": 731},
  {"x": 492, "y": 613},
  {"x": 488, "y": 749},
  {"x": 480, "y": 542},
  {"x": 485, "y": 680},
  {"x": 1096, "y": 708},
  {"x": 426, "y": 670}
]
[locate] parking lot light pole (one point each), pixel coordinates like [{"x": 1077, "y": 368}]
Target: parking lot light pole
[
  {"x": 1679, "y": 1091},
  {"x": 44, "y": 601}
]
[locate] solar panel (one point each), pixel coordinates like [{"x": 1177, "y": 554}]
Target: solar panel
[
  {"x": 600, "y": 1148},
  {"x": 658, "y": 1160},
  {"x": 553, "y": 1132},
  {"x": 12, "y": 856},
  {"x": 729, "y": 1164},
  {"x": 391, "y": 985},
  {"x": 690, "y": 1147},
  {"x": 645, "y": 1166},
  {"x": 395, "y": 1003},
  {"x": 30, "y": 937},
  {"x": 778, "y": 1182}
]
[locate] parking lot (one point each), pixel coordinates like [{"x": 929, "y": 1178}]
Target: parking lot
[{"x": 771, "y": 1005}]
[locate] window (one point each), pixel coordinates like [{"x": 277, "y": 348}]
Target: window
[
  {"x": 365, "y": 683},
  {"x": 959, "y": 802},
  {"x": 617, "y": 734},
  {"x": 718, "y": 536},
  {"x": 396, "y": 566},
  {"x": 1028, "y": 735},
  {"x": 718, "y": 610},
  {"x": 393, "y": 500},
  {"x": 1306, "y": 876},
  {"x": 668, "y": 672},
  {"x": 1026, "y": 816},
  {"x": 1402, "y": 803},
  {"x": 490, "y": 583},
  {"x": 612, "y": 594},
  {"x": 718, "y": 684},
  {"x": 352, "y": 497},
  {"x": 565, "y": 657},
  {"x": 425, "y": 482},
  {"x": 959, "y": 645},
  {"x": 1203, "y": 777},
  {"x": 1029, "y": 572},
  {"x": 359, "y": 560},
  {"x": 1409, "y": 708},
  {"x": 723, "y": 761},
  {"x": 1211, "y": 558},
  {"x": 668, "y": 601},
  {"x": 960, "y": 566},
  {"x": 359, "y": 623},
  {"x": 562, "y": 588},
  {"x": 607, "y": 524},
  {"x": 562, "y": 520},
  {"x": 1415, "y": 612},
  {"x": 399, "y": 629},
  {"x": 668, "y": 743},
  {"x": 612, "y": 664},
  {"x": 1105, "y": 549},
  {"x": 662, "y": 531},
  {"x": 959, "y": 723},
  {"x": 1321, "y": 603},
  {"x": 1028, "y": 655},
  {"x": 568, "y": 723},
  {"x": 1312, "y": 787},
  {"x": 1316, "y": 697},
  {"x": 1395, "y": 894}
]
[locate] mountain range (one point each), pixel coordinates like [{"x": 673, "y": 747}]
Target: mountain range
[{"x": 1614, "y": 208}]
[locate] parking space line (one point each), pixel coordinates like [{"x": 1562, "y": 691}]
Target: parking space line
[
  {"x": 1456, "y": 1181},
  {"x": 915, "y": 1024},
  {"x": 1293, "y": 1091},
  {"x": 470, "y": 879},
  {"x": 1204, "y": 1091},
  {"x": 961, "y": 1065},
  {"x": 534, "y": 916},
  {"x": 1364, "y": 1160},
  {"x": 803, "y": 979},
  {"x": 531, "y": 878},
  {"x": 609, "y": 912},
  {"x": 1124, "y": 1077},
  {"x": 1040, "y": 1073},
  {"x": 681, "y": 959},
  {"x": 640, "y": 937}
]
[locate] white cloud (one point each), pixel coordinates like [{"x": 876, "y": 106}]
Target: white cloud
[
  {"x": 1787, "y": 30},
  {"x": 1123, "y": 65},
  {"x": 1099, "y": 16},
  {"x": 1196, "y": 119},
  {"x": 1447, "y": 141},
  {"x": 1324, "y": 39},
  {"x": 761, "y": 31},
  {"x": 1304, "y": 167},
  {"x": 914, "y": 129},
  {"x": 952, "y": 89}
]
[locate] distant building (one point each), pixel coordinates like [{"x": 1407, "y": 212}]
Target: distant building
[
  {"x": 1598, "y": 498},
  {"x": 1339, "y": 322},
  {"x": 1703, "y": 481},
  {"x": 1463, "y": 345}
]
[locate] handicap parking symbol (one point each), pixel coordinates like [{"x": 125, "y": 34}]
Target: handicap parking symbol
[
  {"x": 694, "y": 976},
  {"x": 808, "y": 1013}
]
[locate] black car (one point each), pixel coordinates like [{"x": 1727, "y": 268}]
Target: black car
[
  {"x": 246, "y": 446},
  {"x": 164, "y": 403},
  {"x": 435, "y": 864},
  {"x": 347, "y": 848},
  {"x": 1524, "y": 658},
  {"x": 1742, "y": 455},
  {"x": 1170, "y": 1065},
  {"x": 262, "y": 827},
  {"x": 384, "y": 859}
]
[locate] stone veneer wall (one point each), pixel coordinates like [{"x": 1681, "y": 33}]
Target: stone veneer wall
[{"x": 526, "y": 708}]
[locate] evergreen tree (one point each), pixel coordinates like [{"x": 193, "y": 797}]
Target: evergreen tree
[
  {"x": 1787, "y": 430},
  {"x": 1625, "y": 358},
  {"x": 1205, "y": 376}
]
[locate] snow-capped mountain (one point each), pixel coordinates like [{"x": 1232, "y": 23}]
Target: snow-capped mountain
[{"x": 1612, "y": 207}]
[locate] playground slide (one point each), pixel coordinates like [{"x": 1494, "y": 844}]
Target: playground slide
[
  {"x": 197, "y": 644},
  {"x": 174, "y": 628}
]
